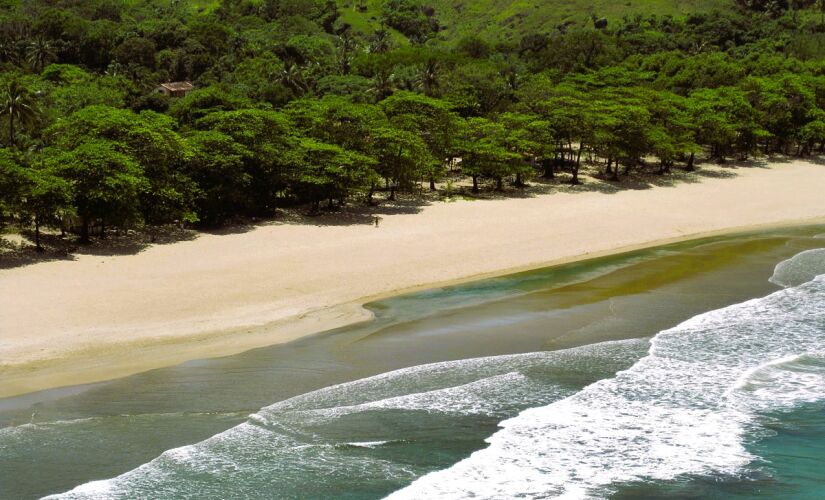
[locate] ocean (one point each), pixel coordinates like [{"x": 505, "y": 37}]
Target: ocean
[{"x": 694, "y": 370}]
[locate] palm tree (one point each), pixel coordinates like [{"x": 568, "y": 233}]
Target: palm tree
[
  {"x": 39, "y": 53},
  {"x": 381, "y": 41},
  {"x": 346, "y": 46},
  {"x": 382, "y": 84},
  {"x": 8, "y": 51},
  {"x": 20, "y": 105},
  {"x": 428, "y": 77},
  {"x": 292, "y": 77}
]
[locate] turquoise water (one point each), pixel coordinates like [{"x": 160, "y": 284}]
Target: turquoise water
[{"x": 619, "y": 377}]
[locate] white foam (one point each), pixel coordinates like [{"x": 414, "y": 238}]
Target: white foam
[
  {"x": 670, "y": 415},
  {"x": 783, "y": 383},
  {"x": 800, "y": 268},
  {"x": 368, "y": 444},
  {"x": 281, "y": 439}
]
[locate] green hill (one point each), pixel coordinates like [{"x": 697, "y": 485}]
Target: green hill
[{"x": 503, "y": 19}]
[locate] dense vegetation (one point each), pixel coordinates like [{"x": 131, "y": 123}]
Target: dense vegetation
[{"x": 294, "y": 105}]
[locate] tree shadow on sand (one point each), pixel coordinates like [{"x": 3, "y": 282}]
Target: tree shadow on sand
[
  {"x": 592, "y": 177},
  {"x": 57, "y": 247},
  {"x": 354, "y": 214}
]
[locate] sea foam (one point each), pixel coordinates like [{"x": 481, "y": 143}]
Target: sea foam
[
  {"x": 298, "y": 438},
  {"x": 684, "y": 410}
]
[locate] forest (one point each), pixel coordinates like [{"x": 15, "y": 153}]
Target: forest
[{"x": 294, "y": 106}]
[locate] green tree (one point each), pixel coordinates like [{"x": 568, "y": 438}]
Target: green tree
[
  {"x": 106, "y": 184},
  {"x": 39, "y": 53},
  {"x": 47, "y": 198},
  {"x": 401, "y": 157},
  {"x": 272, "y": 140},
  {"x": 432, "y": 120},
  {"x": 218, "y": 165},
  {"x": 329, "y": 172},
  {"x": 484, "y": 152},
  {"x": 20, "y": 105},
  {"x": 13, "y": 183},
  {"x": 149, "y": 140}
]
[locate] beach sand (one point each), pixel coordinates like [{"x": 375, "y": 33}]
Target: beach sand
[{"x": 97, "y": 318}]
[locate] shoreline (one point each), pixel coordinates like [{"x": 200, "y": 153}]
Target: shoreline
[{"x": 100, "y": 352}]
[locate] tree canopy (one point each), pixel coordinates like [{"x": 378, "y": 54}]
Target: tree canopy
[{"x": 308, "y": 103}]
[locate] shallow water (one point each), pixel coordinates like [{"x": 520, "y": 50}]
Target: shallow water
[{"x": 365, "y": 411}]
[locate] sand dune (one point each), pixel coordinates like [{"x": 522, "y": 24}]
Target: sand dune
[{"x": 68, "y": 322}]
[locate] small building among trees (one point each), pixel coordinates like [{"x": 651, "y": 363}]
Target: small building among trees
[{"x": 175, "y": 89}]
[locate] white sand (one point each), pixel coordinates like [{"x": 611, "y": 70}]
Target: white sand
[{"x": 68, "y": 322}]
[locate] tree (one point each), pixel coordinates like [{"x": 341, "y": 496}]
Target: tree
[
  {"x": 20, "y": 106},
  {"x": 432, "y": 119},
  {"x": 337, "y": 120},
  {"x": 217, "y": 164},
  {"x": 329, "y": 172},
  {"x": 47, "y": 197},
  {"x": 528, "y": 136},
  {"x": 272, "y": 140},
  {"x": 569, "y": 114},
  {"x": 784, "y": 104},
  {"x": 13, "y": 183},
  {"x": 39, "y": 53},
  {"x": 484, "y": 152},
  {"x": 201, "y": 102},
  {"x": 149, "y": 140},
  {"x": 725, "y": 121},
  {"x": 477, "y": 88},
  {"x": 106, "y": 184},
  {"x": 401, "y": 158}
]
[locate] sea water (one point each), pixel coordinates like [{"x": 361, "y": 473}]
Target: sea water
[
  {"x": 726, "y": 404},
  {"x": 695, "y": 408}
]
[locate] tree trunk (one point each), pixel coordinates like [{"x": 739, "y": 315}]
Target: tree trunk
[
  {"x": 499, "y": 184},
  {"x": 575, "y": 179},
  {"x": 689, "y": 167},
  {"x": 370, "y": 194},
  {"x": 615, "y": 171},
  {"x": 84, "y": 230},
  {"x": 432, "y": 184},
  {"x": 37, "y": 234},
  {"x": 548, "y": 165},
  {"x": 392, "y": 192},
  {"x": 475, "y": 184},
  {"x": 609, "y": 169},
  {"x": 519, "y": 181}
]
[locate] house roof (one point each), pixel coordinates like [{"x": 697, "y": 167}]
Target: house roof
[{"x": 177, "y": 86}]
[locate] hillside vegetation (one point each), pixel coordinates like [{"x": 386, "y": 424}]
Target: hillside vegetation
[
  {"x": 318, "y": 104},
  {"x": 510, "y": 19}
]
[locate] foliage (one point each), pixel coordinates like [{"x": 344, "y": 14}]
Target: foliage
[{"x": 312, "y": 101}]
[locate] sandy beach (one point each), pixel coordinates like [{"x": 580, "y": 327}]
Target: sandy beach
[{"x": 96, "y": 318}]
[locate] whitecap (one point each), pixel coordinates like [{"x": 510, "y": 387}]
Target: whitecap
[
  {"x": 800, "y": 268},
  {"x": 670, "y": 415},
  {"x": 287, "y": 439}
]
